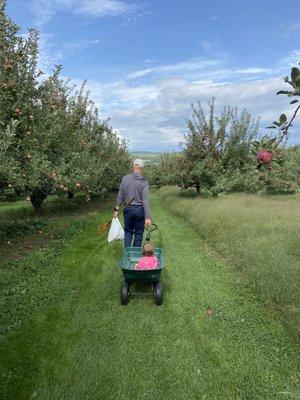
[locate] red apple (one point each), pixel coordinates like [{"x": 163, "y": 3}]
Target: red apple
[{"x": 264, "y": 157}]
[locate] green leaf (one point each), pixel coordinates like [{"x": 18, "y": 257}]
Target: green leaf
[
  {"x": 282, "y": 92},
  {"x": 282, "y": 119},
  {"x": 276, "y": 123},
  {"x": 292, "y": 84},
  {"x": 295, "y": 74},
  {"x": 289, "y": 93},
  {"x": 294, "y": 101},
  {"x": 271, "y": 127}
]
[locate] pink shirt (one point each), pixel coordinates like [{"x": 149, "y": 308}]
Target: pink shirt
[{"x": 147, "y": 262}]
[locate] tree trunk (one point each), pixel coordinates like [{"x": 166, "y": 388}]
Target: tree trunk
[
  {"x": 37, "y": 197},
  {"x": 70, "y": 195},
  {"x": 18, "y": 192},
  {"x": 198, "y": 187}
]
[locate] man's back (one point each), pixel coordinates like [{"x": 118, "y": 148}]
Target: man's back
[
  {"x": 135, "y": 185},
  {"x": 136, "y": 214}
]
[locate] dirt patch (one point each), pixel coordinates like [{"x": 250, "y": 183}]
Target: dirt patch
[
  {"x": 57, "y": 216},
  {"x": 15, "y": 250}
]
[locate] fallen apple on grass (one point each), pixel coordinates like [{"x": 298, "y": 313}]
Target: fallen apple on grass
[{"x": 209, "y": 312}]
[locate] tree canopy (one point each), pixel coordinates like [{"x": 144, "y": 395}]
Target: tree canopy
[{"x": 52, "y": 140}]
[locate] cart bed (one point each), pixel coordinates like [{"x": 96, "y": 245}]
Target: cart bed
[{"x": 131, "y": 256}]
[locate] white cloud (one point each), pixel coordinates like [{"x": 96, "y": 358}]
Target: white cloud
[
  {"x": 77, "y": 45},
  {"x": 181, "y": 67},
  {"x": 254, "y": 71},
  {"x": 46, "y": 9},
  {"x": 149, "y": 107},
  {"x": 152, "y": 116},
  {"x": 48, "y": 56},
  {"x": 290, "y": 27},
  {"x": 289, "y": 60},
  {"x": 98, "y": 8},
  {"x": 206, "y": 46},
  {"x": 203, "y": 69}
]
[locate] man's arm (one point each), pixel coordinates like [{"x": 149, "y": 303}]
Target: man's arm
[
  {"x": 145, "y": 200},
  {"x": 120, "y": 199},
  {"x": 121, "y": 194}
]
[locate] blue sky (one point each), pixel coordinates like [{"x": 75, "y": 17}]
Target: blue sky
[{"x": 146, "y": 62}]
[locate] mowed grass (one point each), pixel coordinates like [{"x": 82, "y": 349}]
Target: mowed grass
[
  {"x": 84, "y": 345},
  {"x": 260, "y": 236},
  {"x": 30, "y": 251}
]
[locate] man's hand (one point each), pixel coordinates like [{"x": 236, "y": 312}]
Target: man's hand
[
  {"x": 116, "y": 213},
  {"x": 148, "y": 221}
]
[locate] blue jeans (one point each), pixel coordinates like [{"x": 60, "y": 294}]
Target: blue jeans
[{"x": 134, "y": 224}]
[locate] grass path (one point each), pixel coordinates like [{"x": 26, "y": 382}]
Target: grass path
[{"x": 88, "y": 347}]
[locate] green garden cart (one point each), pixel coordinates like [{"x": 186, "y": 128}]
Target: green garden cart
[{"x": 128, "y": 262}]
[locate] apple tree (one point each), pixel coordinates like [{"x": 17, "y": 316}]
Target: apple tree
[
  {"x": 52, "y": 141},
  {"x": 215, "y": 146}
]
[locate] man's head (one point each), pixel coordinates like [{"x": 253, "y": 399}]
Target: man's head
[{"x": 138, "y": 166}]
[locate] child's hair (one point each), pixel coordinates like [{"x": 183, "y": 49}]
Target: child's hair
[{"x": 148, "y": 249}]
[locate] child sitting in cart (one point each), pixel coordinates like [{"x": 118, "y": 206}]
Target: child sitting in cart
[{"x": 148, "y": 261}]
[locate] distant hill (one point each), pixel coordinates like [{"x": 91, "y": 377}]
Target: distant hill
[{"x": 150, "y": 157}]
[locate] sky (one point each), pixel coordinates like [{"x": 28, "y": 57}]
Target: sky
[{"x": 146, "y": 62}]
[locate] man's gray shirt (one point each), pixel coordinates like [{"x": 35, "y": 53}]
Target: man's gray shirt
[{"x": 134, "y": 185}]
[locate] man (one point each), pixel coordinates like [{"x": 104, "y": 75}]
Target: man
[{"x": 137, "y": 214}]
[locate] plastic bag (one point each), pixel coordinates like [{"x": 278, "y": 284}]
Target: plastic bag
[{"x": 116, "y": 231}]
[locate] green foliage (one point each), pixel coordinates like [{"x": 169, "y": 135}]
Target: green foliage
[
  {"x": 252, "y": 180},
  {"x": 162, "y": 172},
  {"x": 220, "y": 155},
  {"x": 215, "y": 146},
  {"x": 294, "y": 81},
  {"x": 51, "y": 139},
  {"x": 283, "y": 124},
  {"x": 277, "y": 180}
]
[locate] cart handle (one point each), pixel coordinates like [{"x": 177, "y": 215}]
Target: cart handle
[{"x": 149, "y": 228}]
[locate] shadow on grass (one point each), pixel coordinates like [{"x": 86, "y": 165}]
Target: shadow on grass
[
  {"x": 17, "y": 222},
  {"x": 54, "y": 206}
]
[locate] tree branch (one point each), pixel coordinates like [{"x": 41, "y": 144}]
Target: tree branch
[{"x": 285, "y": 130}]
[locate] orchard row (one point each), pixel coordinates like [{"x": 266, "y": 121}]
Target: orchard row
[{"x": 52, "y": 140}]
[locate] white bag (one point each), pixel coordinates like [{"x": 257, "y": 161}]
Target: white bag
[{"x": 116, "y": 231}]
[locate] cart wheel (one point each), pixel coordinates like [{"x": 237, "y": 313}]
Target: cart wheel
[
  {"x": 158, "y": 294},
  {"x": 125, "y": 293}
]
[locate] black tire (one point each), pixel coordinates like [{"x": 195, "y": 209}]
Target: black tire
[
  {"x": 158, "y": 294},
  {"x": 125, "y": 293}
]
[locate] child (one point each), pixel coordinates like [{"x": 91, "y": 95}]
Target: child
[{"x": 148, "y": 261}]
